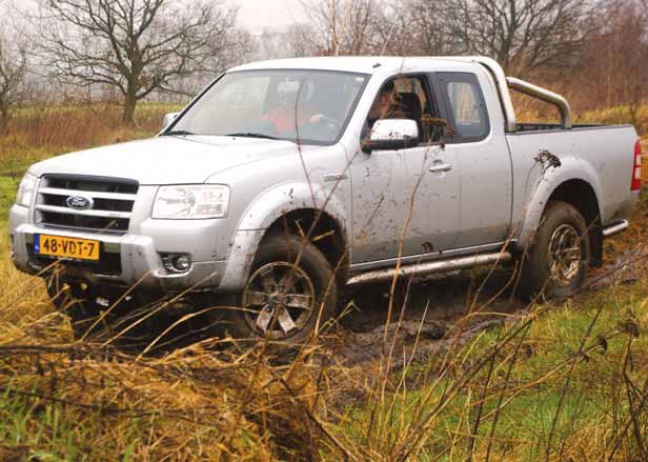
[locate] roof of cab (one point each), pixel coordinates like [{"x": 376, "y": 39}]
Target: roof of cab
[{"x": 359, "y": 64}]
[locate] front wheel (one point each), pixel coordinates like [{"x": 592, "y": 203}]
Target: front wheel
[
  {"x": 290, "y": 294},
  {"x": 556, "y": 263}
]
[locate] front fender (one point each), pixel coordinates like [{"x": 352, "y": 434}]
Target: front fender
[
  {"x": 544, "y": 185},
  {"x": 262, "y": 212}
]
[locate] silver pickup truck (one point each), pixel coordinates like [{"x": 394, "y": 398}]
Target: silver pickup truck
[{"x": 285, "y": 181}]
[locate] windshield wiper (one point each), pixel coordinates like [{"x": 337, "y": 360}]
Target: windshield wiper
[
  {"x": 178, "y": 132},
  {"x": 253, "y": 135}
]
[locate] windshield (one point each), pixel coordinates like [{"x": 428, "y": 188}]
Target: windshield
[{"x": 295, "y": 105}]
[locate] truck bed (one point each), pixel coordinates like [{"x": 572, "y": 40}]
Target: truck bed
[{"x": 603, "y": 156}]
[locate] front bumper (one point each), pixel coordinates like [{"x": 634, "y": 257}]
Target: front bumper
[{"x": 132, "y": 259}]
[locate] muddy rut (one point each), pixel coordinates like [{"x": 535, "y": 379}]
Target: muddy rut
[{"x": 456, "y": 307}]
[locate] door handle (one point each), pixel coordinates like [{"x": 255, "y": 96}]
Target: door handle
[{"x": 437, "y": 168}]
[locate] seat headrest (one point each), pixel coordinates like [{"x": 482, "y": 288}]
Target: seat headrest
[{"x": 411, "y": 105}]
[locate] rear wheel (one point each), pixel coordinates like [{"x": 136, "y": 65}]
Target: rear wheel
[
  {"x": 555, "y": 266},
  {"x": 290, "y": 294}
]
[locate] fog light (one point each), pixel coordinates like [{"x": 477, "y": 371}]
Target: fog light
[
  {"x": 176, "y": 263},
  {"x": 182, "y": 263}
]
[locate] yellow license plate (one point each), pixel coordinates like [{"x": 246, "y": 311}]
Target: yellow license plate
[{"x": 66, "y": 247}]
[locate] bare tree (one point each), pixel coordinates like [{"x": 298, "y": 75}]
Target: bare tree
[
  {"x": 613, "y": 66},
  {"x": 13, "y": 67},
  {"x": 420, "y": 27},
  {"x": 288, "y": 43},
  {"x": 522, "y": 34},
  {"x": 136, "y": 46},
  {"x": 342, "y": 27}
]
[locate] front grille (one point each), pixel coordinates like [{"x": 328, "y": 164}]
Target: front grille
[{"x": 112, "y": 203}]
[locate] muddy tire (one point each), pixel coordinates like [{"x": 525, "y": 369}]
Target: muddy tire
[
  {"x": 290, "y": 294},
  {"x": 555, "y": 265}
]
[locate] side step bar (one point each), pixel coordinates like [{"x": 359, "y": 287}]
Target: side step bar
[
  {"x": 420, "y": 269},
  {"x": 615, "y": 228}
]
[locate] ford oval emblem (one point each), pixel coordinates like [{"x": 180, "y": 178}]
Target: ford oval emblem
[{"x": 79, "y": 202}]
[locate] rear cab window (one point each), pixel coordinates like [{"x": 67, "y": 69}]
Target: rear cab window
[{"x": 463, "y": 106}]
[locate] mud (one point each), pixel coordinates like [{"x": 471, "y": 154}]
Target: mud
[
  {"x": 424, "y": 314},
  {"x": 453, "y": 309},
  {"x": 423, "y": 317}
]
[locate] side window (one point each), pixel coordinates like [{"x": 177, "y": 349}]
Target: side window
[
  {"x": 404, "y": 97},
  {"x": 414, "y": 99},
  {"x": 465, "y": 106}
]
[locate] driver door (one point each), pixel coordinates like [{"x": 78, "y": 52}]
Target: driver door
[{"x": 406, "y": 198}]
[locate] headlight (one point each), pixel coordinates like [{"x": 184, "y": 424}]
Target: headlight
[
  {"x": 26, "y": 190},
  {"x": 191, "y": 202}
]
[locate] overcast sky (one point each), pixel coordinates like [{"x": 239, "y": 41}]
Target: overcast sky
[{"x": 256, "y": 15}]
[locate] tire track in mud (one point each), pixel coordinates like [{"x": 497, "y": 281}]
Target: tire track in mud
[{"x": 452, "y": 309}]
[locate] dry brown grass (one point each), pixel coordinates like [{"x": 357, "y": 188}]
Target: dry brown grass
[
  {"x": 77, "y": 400},
  {"x": 82, "y": 125}
]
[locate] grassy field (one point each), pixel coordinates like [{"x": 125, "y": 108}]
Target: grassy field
[{"x": 567, "y": 381}]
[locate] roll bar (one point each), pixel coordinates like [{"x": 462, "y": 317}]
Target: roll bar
[{"x": 544, "y": 95}]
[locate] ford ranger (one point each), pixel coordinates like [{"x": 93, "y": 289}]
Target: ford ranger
[{"x": 284, "y": 182}]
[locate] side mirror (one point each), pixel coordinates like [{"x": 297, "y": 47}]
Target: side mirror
[
  {"x": 391, "y": 134},
  {"x": 168, "y": 118}
]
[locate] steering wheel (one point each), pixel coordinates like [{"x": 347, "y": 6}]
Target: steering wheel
[{"x": 331, "y": 124}]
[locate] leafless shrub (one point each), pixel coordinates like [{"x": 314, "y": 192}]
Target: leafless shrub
[
  {"x": 342, "y": 27},
  {"x": 13, "y": 68},
  {"x": 613, "y": 65}
]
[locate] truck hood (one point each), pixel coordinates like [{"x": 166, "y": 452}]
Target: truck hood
[{"x": 167, "y": 159}]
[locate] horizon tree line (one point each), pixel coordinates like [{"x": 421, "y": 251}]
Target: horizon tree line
[{"x": 593, "y": 50}]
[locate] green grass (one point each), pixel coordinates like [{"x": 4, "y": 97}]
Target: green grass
[
  {"x": 547, "y": 361},
  {"x": 53, "y": 432},
  {"x": 8, "y": 188},
  {"x": 42, "y": 429}
]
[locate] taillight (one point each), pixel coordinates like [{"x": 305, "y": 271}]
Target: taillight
[{"x": 636, "y": 170}]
